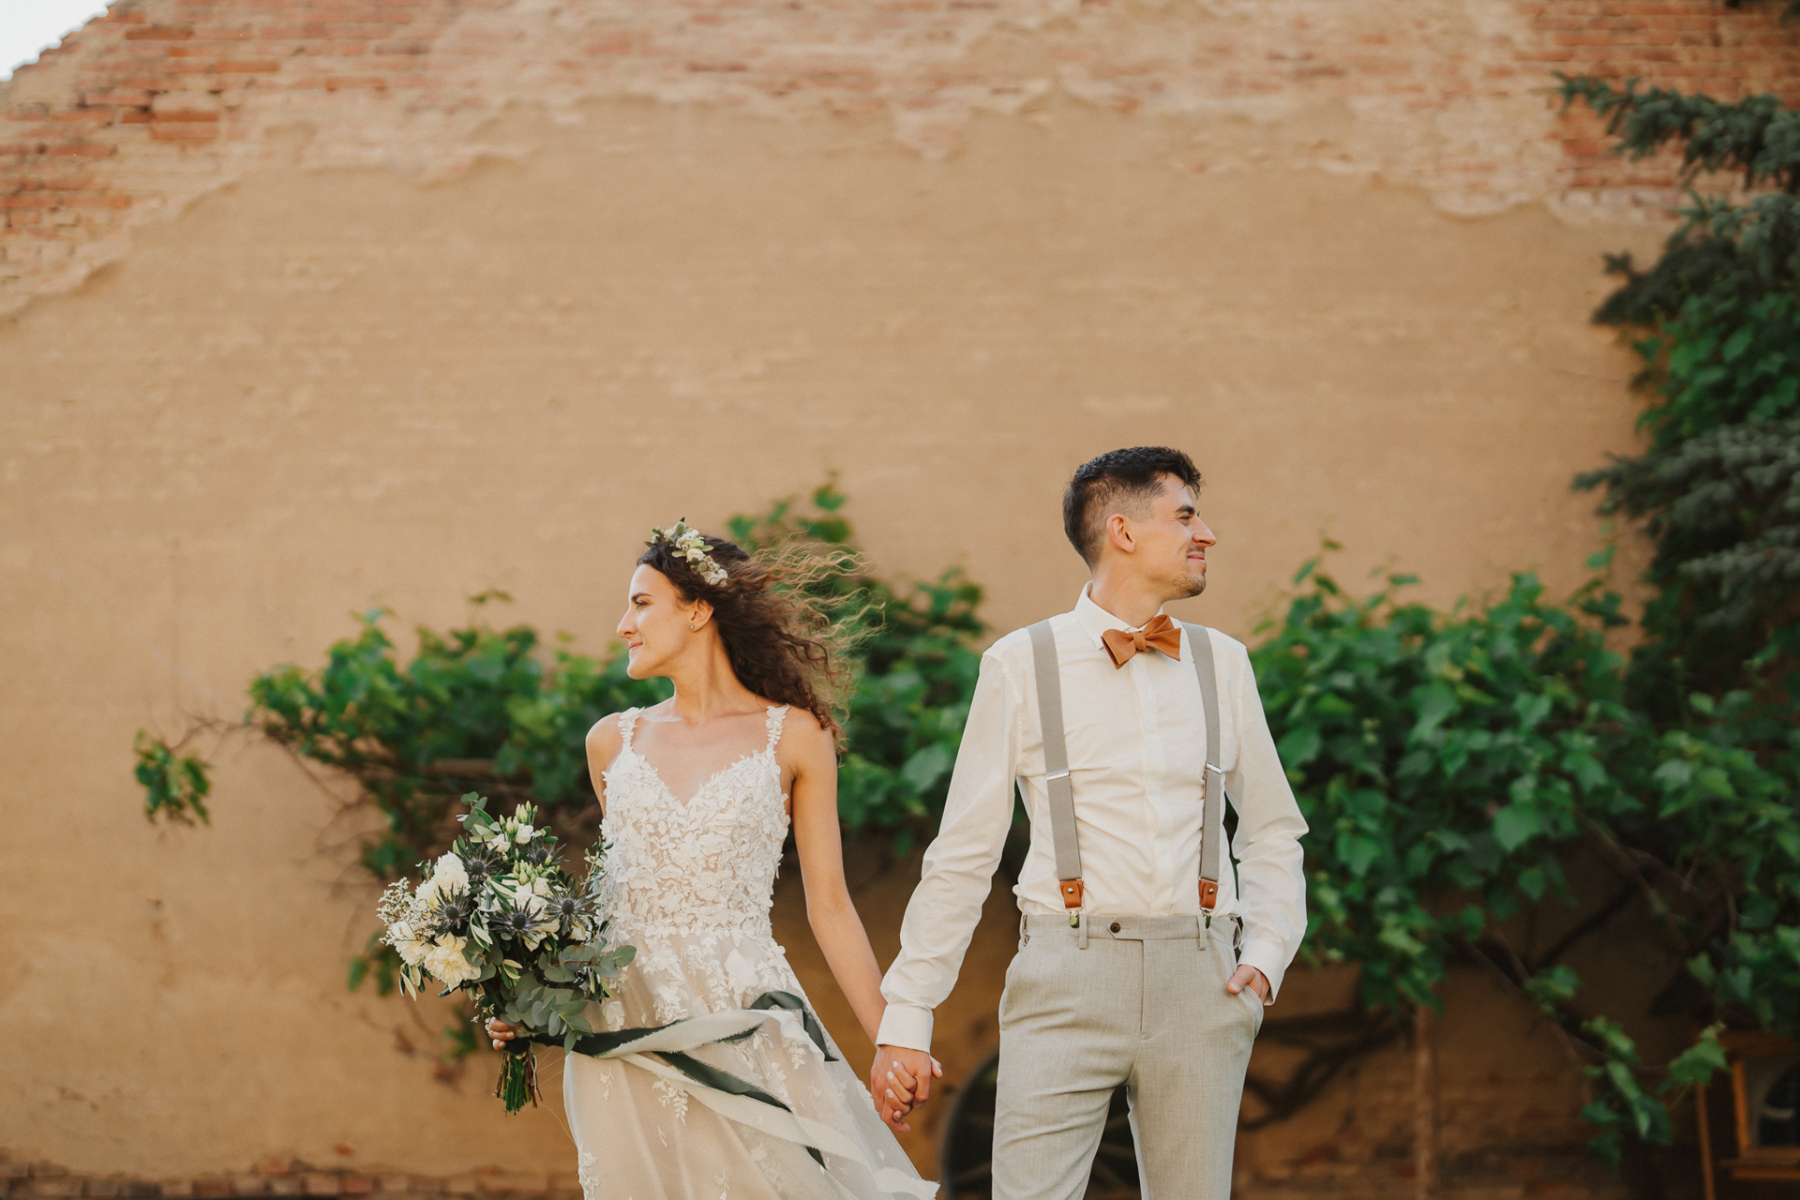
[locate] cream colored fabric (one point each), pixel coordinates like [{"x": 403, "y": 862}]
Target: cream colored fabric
[
  {"x": 690, "y": 886},
  {"x": 1145, "y": 1007},
  {"x": 1137, "y": 752}
]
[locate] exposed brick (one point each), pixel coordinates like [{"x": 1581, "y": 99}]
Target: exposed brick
[
  {"x": 117, "y": 97},
  {"x": 149, "y": 115},
  {"x": 160, "y": 33}
]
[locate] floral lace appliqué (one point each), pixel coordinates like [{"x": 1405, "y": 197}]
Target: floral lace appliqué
[
  {"x": 674, "y": 1099},
  {"x": 588, "y": 1172},
  {"x": 675, "y": 869}
]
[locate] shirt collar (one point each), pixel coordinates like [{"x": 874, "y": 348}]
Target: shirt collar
[{"x": 1096, "y": 620}]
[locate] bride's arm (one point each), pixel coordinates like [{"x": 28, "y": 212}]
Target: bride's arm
[
  {"x": 603, "y": 744},
  {"x": 810, "y": 753},
  {"x": 812, "y": 757}
]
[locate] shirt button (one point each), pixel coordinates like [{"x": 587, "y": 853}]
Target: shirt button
[{"x": 1114, "y": 927}]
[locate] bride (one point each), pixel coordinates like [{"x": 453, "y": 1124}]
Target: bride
[{"x": 697, "y": 794}]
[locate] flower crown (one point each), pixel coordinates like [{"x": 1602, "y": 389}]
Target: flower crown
[{"x": 690, "y": 543}]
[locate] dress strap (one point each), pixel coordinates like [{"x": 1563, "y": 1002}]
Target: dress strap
[
  {"x": 774, "y": 719},
  {"x": 628, "y": 726}
]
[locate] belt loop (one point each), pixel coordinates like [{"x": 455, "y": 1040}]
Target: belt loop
[
  {"x": 1081, "y": 931},
  {"x": 1024, "y": 932}
]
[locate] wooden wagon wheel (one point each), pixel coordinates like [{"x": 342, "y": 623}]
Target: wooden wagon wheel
[{"x": 968, "y": 1153}]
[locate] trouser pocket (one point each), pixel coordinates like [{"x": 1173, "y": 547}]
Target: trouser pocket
[{"x": 1225, "y": 956}]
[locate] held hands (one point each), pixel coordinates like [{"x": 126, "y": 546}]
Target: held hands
[
  {"x": 900, "y": 1081},
  {"x": 1249, "y": 977}
]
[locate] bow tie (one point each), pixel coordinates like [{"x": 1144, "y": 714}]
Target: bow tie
[{"x": 1161, "y": 634}]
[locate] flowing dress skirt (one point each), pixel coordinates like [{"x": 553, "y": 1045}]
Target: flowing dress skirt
[{"x": 646, "y": 1136}]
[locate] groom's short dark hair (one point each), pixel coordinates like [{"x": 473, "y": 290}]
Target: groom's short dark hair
[{"x": 1131, "y": 475}]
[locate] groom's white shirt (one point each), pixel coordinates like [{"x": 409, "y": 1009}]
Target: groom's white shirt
[{"x": 1137, "y": 746}]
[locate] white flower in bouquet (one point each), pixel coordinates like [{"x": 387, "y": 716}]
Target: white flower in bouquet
[
  {"x": 405, "y": 915},
  {"x": 407, "y": 943},
  {"x": 446, "y": 963},
  {"x": 448, "y": 875}
]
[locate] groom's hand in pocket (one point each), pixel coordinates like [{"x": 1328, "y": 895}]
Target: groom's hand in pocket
[{"x": 900, "y": 1081}]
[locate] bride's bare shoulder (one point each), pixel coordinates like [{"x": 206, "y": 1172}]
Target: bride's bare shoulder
[
  {"x": 801, "y": 732},
  {"x": 605, "y": 739}
]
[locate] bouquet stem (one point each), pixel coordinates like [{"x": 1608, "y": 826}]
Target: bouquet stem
[{"x": 518, "y": 1079}]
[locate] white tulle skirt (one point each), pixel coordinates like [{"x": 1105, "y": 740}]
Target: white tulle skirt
[{"x": 644, "y": 1131}]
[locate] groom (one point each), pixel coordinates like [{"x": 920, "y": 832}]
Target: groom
[{"x": 1140, "y": 962}]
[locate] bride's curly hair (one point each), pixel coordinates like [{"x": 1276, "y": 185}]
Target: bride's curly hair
[{"x": 781, "y": 642}]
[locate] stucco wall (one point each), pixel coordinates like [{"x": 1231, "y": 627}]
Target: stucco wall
[{"x": 319, "y": 385}]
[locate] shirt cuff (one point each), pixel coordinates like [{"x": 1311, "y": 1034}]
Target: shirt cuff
[
  {"x": 905, "y": 1025},
  {"x": 1267, "y": 958}
]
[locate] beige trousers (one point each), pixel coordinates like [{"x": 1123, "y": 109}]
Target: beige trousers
[{"x": 1144, "y": 1005}]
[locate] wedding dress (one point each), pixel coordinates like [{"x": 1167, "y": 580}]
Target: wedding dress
[{"x": 690, "y": 886}]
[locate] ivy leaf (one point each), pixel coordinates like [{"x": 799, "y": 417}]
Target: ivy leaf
[
  {"x": 1300, "y": 746},
  {"x": 1553, "y": 986},
  {"x": 1698, "y": 1063},
  {"x": 1434, "y": 705},
  {"x": 1515, "y": 825},
  {"x": 1359, "y": 853},
  {"x": 927, "y": 766}
]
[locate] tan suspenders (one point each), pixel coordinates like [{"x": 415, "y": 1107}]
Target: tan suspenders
[{"x": 1062, "y": 796}]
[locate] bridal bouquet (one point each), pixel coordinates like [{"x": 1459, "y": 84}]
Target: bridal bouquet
[{"x": 499, "y": 918}]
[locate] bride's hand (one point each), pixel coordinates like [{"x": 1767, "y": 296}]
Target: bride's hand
[
  {"x": 900, "y": 1081},
  {"x": 500, "y": 1032}
]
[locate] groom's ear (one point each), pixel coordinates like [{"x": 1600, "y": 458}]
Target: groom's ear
[{"x": 1119, "y": 535}]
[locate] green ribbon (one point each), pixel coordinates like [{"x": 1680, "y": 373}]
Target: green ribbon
[{"x": 700, "y": 1072}]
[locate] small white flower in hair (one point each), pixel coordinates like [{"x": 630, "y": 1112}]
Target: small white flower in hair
[{"x": 690, "y": 544}]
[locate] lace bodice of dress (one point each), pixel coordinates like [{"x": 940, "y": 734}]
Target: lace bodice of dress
[{"x": 674, "y": 868}]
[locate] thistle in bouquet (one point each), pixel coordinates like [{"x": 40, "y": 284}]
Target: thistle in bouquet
[{"x": 500, "y": 918}]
